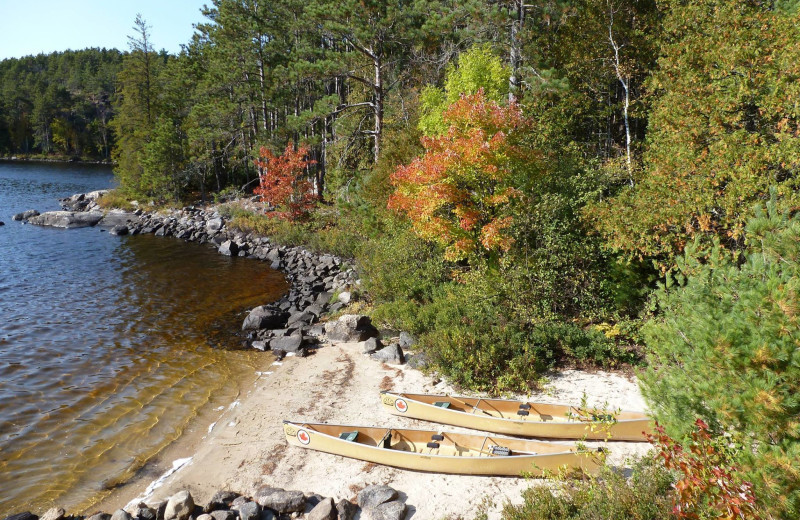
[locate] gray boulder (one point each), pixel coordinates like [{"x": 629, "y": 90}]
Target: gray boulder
[
  {"x": 392, "y": 354},
  {"x": 346, "y": 509},
  {"x": 229, "y": 248},
  {"x": 291, "y": 343},
  {"x": 25, "y": 215},
  {"x": 214, "y": 224},
  {"x": 325, "y": 510},
  {"x": 205, "y": 516},
  {"x": 99, "y": 516},
  {"x": 67, "y": 219},
  {"x": 54, "y": 513},
  {"x": 372, "y": 496},
  {"x": 265, "y": 318},
  {"x": 249, "y": 511},
  {"x": 350, "y": 328},
  {"x": 345, "y": 297},
  {"x": 407, "y": 340},
  {"x": 223, "y": 514},
  {"x": 180, "y": 506},
  {"x": 372, "y": 345},
  {"x": 145, "y": 512},
  {"x": 121, "y": 514},
  {"x": 418, "y": 361},
  {"x": 389, "y": 511},
  {"x": 281, "y": 500}
]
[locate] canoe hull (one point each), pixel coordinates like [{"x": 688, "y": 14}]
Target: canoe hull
[
  {"x": 537, "y": 465},
  {"x": 622, "y": 430}
]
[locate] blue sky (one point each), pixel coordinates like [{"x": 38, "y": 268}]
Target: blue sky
[{"x": 34, "y": 26}]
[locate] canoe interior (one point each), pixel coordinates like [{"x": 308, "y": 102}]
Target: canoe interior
[
  {"x": 536, "y": 412},
  {"x": 451, "y": 444}
]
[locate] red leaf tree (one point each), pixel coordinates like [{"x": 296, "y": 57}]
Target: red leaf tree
[
  {"x": 459, "y": 193},
  {"x": 284, "y": 183}
]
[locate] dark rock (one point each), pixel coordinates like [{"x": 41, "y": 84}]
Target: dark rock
[
  {"x": 2, "y": 223},
  {"x": 119, "y": 229},
  {"x": 121, "y": 514},
  {"x": 336, "y": 307},
  {"x": 144, "y": 512},
  {"x": 281, "y": 500},
  {"x": 278, "y": 353},
  {"x": 372, "y": 496},
  {"x": 391, "y": 354},
  {"x": 249, "y": 511},
  {"x": 350, "y": 328},
  {"x": 316, "y": 331},
  {"x": 288, "y": 343},
  {"x": 99, "y": 516},
  {"x": 389, "y": 511},
  {"x": 27, "y": 515},
  {"x": 346, "y": 509},
  {"x": 25, "y": 215},
  {"x": 302, "y": 352},
  {"x": 406, "y": 340},
  {"x": 325, "y": 510},
  {"x": 229, "y": 248},
  {"x": 179, "y": 506},
  {"x": 264, "y": 318},
  {"x": 372, "y": 345},
  {"x": 301, "y": 317},
  {"x": 221, "y": 500}
]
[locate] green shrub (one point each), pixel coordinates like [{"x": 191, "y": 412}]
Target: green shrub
[
  {"x": 647, "y": 496},
  {"x": 725, "y": 350}
]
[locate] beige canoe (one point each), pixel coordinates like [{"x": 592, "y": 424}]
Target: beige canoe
[
  {"x": 440, "y": 452},
  {"x": 519, "y": 417}
]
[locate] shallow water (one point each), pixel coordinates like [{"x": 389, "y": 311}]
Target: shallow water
[{"x": 109, "y": 345}]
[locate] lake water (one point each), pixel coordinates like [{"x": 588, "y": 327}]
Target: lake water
[{"x": 109, "y": 346}]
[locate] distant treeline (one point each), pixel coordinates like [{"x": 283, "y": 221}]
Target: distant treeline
[{"x": 59, "y": 104}]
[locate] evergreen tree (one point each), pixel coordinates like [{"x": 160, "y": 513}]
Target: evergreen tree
[{"x": 725, "y": 350}]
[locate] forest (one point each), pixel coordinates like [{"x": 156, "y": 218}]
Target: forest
[
  {"x": 59, "y": 105},
  {"x": 523, "y": 185}
]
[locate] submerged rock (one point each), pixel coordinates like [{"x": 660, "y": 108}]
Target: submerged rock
[{"x": 67, "y": 219}]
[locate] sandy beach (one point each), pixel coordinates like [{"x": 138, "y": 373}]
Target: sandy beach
[{"x": 242, "y": 446}]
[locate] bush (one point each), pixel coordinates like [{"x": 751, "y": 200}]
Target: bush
[
  {"x": 610, "y": 496},
  {"x": 726, "y": 350}
]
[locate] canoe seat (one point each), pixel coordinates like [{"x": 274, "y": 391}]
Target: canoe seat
[
  {"x": 349, "y": 436},
  {"x": 442, "y": 404}
]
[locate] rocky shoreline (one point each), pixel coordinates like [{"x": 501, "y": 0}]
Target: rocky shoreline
[
  {"x": 376, "y": 502},
  {"x": 320, "y": 285}
]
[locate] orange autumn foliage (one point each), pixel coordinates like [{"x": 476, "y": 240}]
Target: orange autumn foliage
[
  {"x": 284, "y": 184},
  {"x": 459, "y": 193}
]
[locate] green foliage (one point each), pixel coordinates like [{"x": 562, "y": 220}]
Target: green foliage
[
  {"x": 58, "y": 104},
  {"x": 610, "y": 496},
  {"x": 477, "y": 69},
  {"x": 725, "y": 350},
  {"x": 723, "y": 129}
]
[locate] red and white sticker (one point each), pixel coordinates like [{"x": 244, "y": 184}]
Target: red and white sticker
[
  {"x": 400, "y": 405},
  {"x": 303, "y": 437}
]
